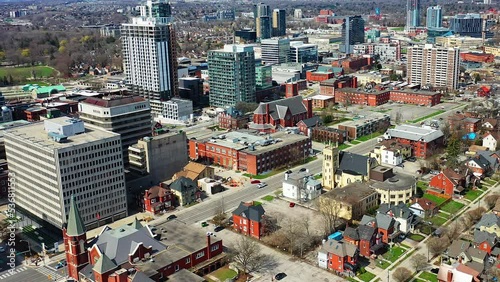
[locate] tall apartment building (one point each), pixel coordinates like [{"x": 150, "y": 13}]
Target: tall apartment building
[
  {"x": 279, "y": 22},
  {"x": 173, "y": 109},
  {"x": 263, "y": 18},
  {"x": 434, "y": 17},
  {"x": 129, "y": 116},
  {"x": 231, "y": 75},
  {"x": 275, "y": 50},
  {"x": 59, "y": 158},
  {"x": 435, "y": 66},
  {"x": 159, "y": 156},
  {"x": 412, "y": 13},
  {"x": 467, "y": 25},
  {"x": 353, "y": 32},
  {"x": 263, "y": 77},
  {"x": 149, "y": 52},
  {"x": 301, "y": 52}
]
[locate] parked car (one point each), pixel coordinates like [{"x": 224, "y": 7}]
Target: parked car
[
  {"x": 288, "y": 172},
  {"x": 218, "y": 228},
  {"x": 262, "y": 185},
  {"x": 292, "y": 204},
  {"x": 280, "y": 276},
  {"x": 61, "y": 264},
  {"x": 303, "y": 169},
  {"x": 171, "y": 217},
  {"x": 411, "y": 159},
  {"x": 434, "y": 172},
  {"x": 204, "y": 224},
  {"x": 255, "y": 181}
]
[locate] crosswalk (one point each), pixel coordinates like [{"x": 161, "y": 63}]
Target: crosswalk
[
  {"x": 49, "y": 271},
  {"x": 14, "y": 272}
]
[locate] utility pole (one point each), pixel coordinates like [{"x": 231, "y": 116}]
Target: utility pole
[{"x": 388, "y": 275}]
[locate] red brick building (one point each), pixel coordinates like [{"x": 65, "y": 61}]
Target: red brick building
[
  {"x": 325, "y": 134},
  {"x": 319, "y": 75},
  {"x": 477, "y": 57},
  {"x": 425, "y": 142},
  {"x": 364, "y": 237},
  {"x": 322, "y": 101},
  {"x": 327, "y": 87},
  {"x": 379, "y": 97},
  {"x": 132, "y": 252},
  {"x": 485, "y": 241},
  {"x": 293, "y": 88},
  {"x": 270, "y": 116},
  {"x": 247, "y": 219},
  {"x": 447, "y": 183},
  {"x": 341, "y": 256},
  {"x": 354, "y": 63},
  {"x": 157, "y": 199},
  {"x": 232, "y": 121}
]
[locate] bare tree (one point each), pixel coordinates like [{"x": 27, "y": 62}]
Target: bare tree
[
  {"x": 475, "y": 214},
  {"x": 330, "y": 211},
  {"x": 220, "y": 214},
  {"x": 247, "y": 254},
  {"x": 398, "y": 118},
  {"x": 454, "y": 230},
  {"x": 419, "y": 262},
  {"x": 491, "y": 200},
  {"x": 437, "y": 245},
  {"x": 401, "y": 274}
]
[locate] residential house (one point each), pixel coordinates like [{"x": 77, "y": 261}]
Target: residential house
[
  {"x": 232, "y": 119},
  {"x": 195, "y": 171},
  {"x": 485, "y": 241},
  {"x": 301, "y": 186},
  {"x": 391, "y": 153},
  {"x": 424, "y": 141},
  {"x": 489, "y": 223},
  {"x": 464, "y": 252},
  {"x": 479, "y": 165},
  {"x": 457, "y": 249},
  {"x": 489, "y": 124},
  {"x": 424, "y": 208},
  {"x": 447, "y": 183},
  {"x": 402, "y": 214},
  {"x": 340, "y": 256},
  {"x": 493, "y": 157},
  {"x": 306, "y": 125},
  {"x": 247, "y": 219},
  {"x": 157, "y": 199},
  {"x": 461, "y": 121},
  {"x": 457, "y": 273},
  {"x": 351, "y": 202},
  {"x": 353, "y": 168},
  {"x": 365, "y": 237},
  {"x": 185, "y": 190},
  {"x": 490, "y": 141},
  {"x": 387, "y": 227}
]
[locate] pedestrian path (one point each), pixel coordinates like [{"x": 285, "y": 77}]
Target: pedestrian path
[
  {"x": 49, "y": 271},
  {"x": 10, "y": 273}
]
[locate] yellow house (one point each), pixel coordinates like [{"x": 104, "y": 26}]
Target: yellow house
[
  {"x": 490, "y": 223},
  {"x": 350, "y": 202},
  {"x": 390, "y": 152}
]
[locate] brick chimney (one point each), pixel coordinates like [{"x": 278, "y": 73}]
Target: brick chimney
[
  {"x": 449, "y": 277},
  {"x": 208, "y": 244},
  {"x": 267, "y": 113}
]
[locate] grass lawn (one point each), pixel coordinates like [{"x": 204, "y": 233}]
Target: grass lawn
[
  {"x": 343, "y": 146},
  {"x": 438, "y": 200},
  {"x": 427, "y": 276},
  {"x": 367, "y": 276},
  {"x": 444, "y": 215},
  {"x": 452, "y": 207},
  {"x": 437, "y": 220},
  {"x": 427, "y": 116},
  {"x": 355, "y": 142},
  {"x": 268, "y": 198},
  {"x": 416, "y": 237},
  {"x": 393, "y": 254},
  {"x": 383, "y": 264},
  {"x": 370, "y": 136},
  {"x": 471, "y": 195},
  {"x": 401, "y": 28},
  {"x": 25, "y": 72},
  {"x": 257, "y": 203},
  {"x": 224, "y": 273},
  {"x": 422, "y": 185},
  {"x": 490, "y": 182},
  {"x": 419, "y": 280}
]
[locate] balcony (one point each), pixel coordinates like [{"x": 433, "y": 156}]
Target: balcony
[{"x": 136, "y": 149}]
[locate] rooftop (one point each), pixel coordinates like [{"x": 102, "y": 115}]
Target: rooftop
[
  {"x": 413, "y": 133},
  {"x": 113, "y": 101},
  {"x": 396, "y": 183},
  {"x": 322, "y": 97},
  {"x": 352, "y": 193}
]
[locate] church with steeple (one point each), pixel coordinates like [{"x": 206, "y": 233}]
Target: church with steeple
[{"x": 133, "y": 252}]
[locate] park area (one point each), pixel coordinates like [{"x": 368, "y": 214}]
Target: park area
[{"x": 23, "y": 73}]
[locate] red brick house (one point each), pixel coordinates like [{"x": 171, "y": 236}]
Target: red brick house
[
  {"x": 364, "y": 237},
  {"x": 340, "y": 256},
  {"x": 132, "y": 252},
  {"x": 447, "y": 182},
  {"x": 306, "y": 125},
  {"x": 157, "y": 199},
  {"x": 270, "y": 116},
  {"x": 247, "y": 219}
]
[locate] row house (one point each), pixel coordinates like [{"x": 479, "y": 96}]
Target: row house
[{"x": 326, "y": 134}]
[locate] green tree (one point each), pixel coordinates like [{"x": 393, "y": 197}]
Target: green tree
[
  {"x": 452, "y": 151},
  {"x": 327, "y": 119},
  {"x": 25, "y": 52},
  {"x": 477, "y": 77}
]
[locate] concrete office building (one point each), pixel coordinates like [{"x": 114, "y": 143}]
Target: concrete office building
[
  {"x": 275, "y": 50},
  {"x": 434, "y": 17},
  {"x": 61, "y": 157},
  {"x": 301, "y": 52},
  {"x": 129, "y": 116},
  {"x": 279, "y": 22},
  {"x": 159, "y": 156},
  {"x": 412, "y": 13},
  {"x": 149, "y": 52},
  {"x": 263, "y": 18},
  {"x": 173, "y": 109},
  {"x": 467, "y": 25},
  {"x": 231, "y": 75},
  {"x": 434, "y": 66},
  {"x": 353, "y": 32}
]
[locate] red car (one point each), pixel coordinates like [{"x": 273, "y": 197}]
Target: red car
[
  {"x": 292, "y": 204},
  {"x": 255, "y": 181}
]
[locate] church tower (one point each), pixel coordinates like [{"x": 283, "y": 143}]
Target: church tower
[
  {"x": 330, "y": 166},
  {"x": 75, "y": 238}
]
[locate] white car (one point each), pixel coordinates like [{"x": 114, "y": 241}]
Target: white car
[{"x": 261, "y": 185}]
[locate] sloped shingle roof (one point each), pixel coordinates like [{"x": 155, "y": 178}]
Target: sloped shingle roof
[
  {"x": 251, "y": 212},
  {"x": 278, "y": 108},
  {"x": 354, "y": 163}
]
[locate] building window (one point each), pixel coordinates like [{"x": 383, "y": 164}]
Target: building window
[
  {"x": 200, "y": 254},
  {"x": 214, "y": 248},
  {"x": 188, "y": 260},
  {"x": 177, "y": 268}
]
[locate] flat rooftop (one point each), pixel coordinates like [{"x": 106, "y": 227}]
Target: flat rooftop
[
  {"x": 352, "y": 193},
  {"x": 396, "y": 183},
  {"x": 322, "y": 97},
  {"x": 36, "y": 134},
  {"x": 363, "y": 119}
]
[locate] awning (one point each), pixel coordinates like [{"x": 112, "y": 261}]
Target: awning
[{"x": 377, "y": 247}]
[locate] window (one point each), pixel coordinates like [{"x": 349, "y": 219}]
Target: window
[
  {"x": 200, "y": 254},
  {"x": 214, "y": 248},
  {"x": 188, "y": 260},
  {"x": 177, "y": 268}
]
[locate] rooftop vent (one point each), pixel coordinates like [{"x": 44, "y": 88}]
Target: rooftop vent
[{"x": 393, "y": 179}]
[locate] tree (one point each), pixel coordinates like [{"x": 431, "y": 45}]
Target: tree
[
  {"x": 247, "y": 254},
  {"x": 245, "y": 107},
  {"x": 401, "y": 274},
  {"x": 475, "y": 214},
  {"x": 491, "y": 200},
  {"x": 453, "y": 150},
  {"x": 220, "y": 214},
  {"x": 398, "y": 118},
  {"x": 477, "y": 78},
  {"x": 419, "y": 262},
  {"x": 327, "y": 119},
  {"x": 330, "y": 211},
  {"x": 437, "y": 245}
]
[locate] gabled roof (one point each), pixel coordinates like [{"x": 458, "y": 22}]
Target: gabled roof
[
  {"x": 183, "y": 184},
  {"x": 482, "y": 236},
  {"x": 384, "y": 221},
  {"x": 490, "y": 156},
  {"x": 477, "y": 253},
  {"x": 425, "y": 204},
  {"x": 156, "y": 191},
  {"x": 399, "y": 211},
  {"x": 278, "y": 108},
  {"x": 488, "y": 220},
  {"x": 104, "y": 265},
  {"x": 141, "y": 277},
  {"x": 367, "y": 220},
  {"x": 451, "y": 175},
  {"x": 354, "y": 164},
  {"x": 351, "y": 232},
  {"x": 481, "y": 161},
  {"x": 75, "y": 226},
  {"x": 251, "y": 212},
  {"x": 313, "y": 121},
  {"x": 339, "y": 248},
  {"x": 366, "y": 232},
  {"x": 457, "y": 247}
]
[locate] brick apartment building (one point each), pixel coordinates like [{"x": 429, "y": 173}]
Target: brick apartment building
[
  {"x": 365, "y": 126},
  {"x": 355, "y": 63},
  {"x": 327, "y": 87},
  {"x": 425, "y": 142},
  {"x": 327, "y": 134},
  {"x": 251, "y": 153},
  {"x": 293, "y": 88},
  {"x": 376, "y": 97},
  {"x": 271, "y": 116},
  {"x": 247, "y": 219}
]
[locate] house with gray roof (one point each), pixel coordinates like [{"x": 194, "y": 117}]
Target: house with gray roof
[
  {"x": 493, "y": 157},
  {"x": 353, "y": 168},
  {"x": 490, "y": 223},
  {"x": 402, "y": 214},
  {"x": 479, "y": 165},
  {"x": 185, "y": 190},
  {"x": 339, "y": 256},
  {"x": 247, "y": 219},
  {"x": 301, "y": 186},
  {"x": 466, "y": 253}
]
